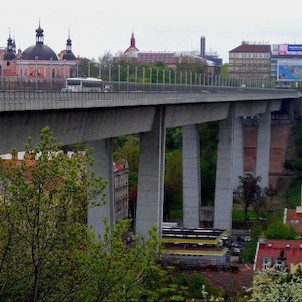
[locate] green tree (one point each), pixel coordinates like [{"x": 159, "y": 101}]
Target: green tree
[
  {"x": 43, "y": 211},
  {"x": 173, "y": 182},
  {"x": 249, "y": 193},
  {"x": 208, "y": 159},
  {"x": 224, "y": 71},
  {"x": 279, "y": 230},
  {"x": 269, "y": 287},
  {"x": 47, "y": 253}
]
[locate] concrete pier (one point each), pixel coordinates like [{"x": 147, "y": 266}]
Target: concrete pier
[
  {"x": 102, "y": 153},
  {"x": 191, "y": 176},
  {"x": 150, "y": 189},
  {"x": 224, "y": 173},
  {"x": 263, "y": 147}
]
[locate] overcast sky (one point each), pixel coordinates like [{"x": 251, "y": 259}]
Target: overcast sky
[{"x": 98, "y": 26}]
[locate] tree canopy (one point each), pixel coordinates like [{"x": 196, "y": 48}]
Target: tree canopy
[
  {"x": 47, "y": 253},
  {"x": 250, "y": 194}
]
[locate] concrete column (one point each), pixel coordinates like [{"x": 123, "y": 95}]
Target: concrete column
[
  {"x": 224, "y": 173},
  {"x": 103, "y": 166},
  {"x": 191, "y": 176},
  {"x": 238, "y": 151},
  {"x": 263, "y": 147},
  {"x": 150, "y": 189}
]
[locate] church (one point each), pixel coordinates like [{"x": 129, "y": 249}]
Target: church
[{"x": 37, "y": 62}]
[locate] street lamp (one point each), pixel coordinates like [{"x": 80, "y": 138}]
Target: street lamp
[
  {"x": 36, "y": 59},
  {"x": 20, "y": 71},
  {"x": 51, "y": 73},
  {"x": 1, "y": 65},
  {"x": 128, "y": 71},
  {"x": 89, "y": 69},
  {"x": 135, "y": 74},
  {"x": 119, "y": 77},
  {"x": 64, "y": 66}
]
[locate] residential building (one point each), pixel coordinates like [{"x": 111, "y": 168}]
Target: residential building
[
  {"x": 276, "y": 254},
  {"x": 120, "y": 189},
  {"x": 250, "y": 61}
]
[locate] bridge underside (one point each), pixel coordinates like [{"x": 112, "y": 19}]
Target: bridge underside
[{"x": 95, "y": 125}]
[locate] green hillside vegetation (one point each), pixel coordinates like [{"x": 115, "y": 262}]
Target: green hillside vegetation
[{"x": 48, "y": 253}]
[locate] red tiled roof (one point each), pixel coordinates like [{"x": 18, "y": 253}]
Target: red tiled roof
[
  {"x": 292, "y": 215},
  {"x": 252, "y": 48},
  {"x": 272, "y": 248}
]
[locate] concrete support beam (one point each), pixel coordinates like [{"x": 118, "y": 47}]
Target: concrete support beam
[
  {"x": 191, "y": 176},
  {"x": 102, "y": 153},
  {"x": 238, "y": 167},
  {"x": 263, "y": 147},
  {"x": 224, "y": 173},
  {"x": 150, "y": 189}
]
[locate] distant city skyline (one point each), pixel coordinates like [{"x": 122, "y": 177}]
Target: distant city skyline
[{"x": 96, "y": 28}]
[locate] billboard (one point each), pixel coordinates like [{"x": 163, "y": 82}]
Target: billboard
[
  {"x": 289, "y": 71},
  {"x": 290, "y": 49}
]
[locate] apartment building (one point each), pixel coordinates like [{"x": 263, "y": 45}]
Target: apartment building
[{"x": 250, "y": 61}]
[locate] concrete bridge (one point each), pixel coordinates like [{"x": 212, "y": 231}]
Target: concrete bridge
[{"x": 97, "y": 118}]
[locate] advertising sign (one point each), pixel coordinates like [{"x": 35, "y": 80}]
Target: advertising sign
[
  {"x": 289, "y": 71},
  {"x": 290, "y": 49}
]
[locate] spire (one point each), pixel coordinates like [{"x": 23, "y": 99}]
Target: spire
[
  {"x": 132, "y": 41},
  {"x": 9, "y": 43},
  {"x": 9, "y": 53},
  {"x": 39, "y": 35},
  {"x": 132, "y": 48},
  {"x": 68, "y": 54},
  {"x": 68, "y": 42}
]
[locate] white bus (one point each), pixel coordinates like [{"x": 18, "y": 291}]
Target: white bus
[{"x": 83, "y": 85}]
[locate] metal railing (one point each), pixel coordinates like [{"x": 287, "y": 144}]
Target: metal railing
[{"x": 42, "y": 89}]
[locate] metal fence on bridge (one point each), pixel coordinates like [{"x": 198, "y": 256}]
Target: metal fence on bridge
[{"x": 24, "y": 88}]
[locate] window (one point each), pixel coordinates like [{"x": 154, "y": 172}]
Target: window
[
  {"x": 278, "y": 264},
  {"x": 266, "y": 262}
]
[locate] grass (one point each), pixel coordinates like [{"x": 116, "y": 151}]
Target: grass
[{"x": 238, "y": 213}]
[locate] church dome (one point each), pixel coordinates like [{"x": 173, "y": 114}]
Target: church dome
[
  {"x": 39, "y": 51},
  {"x": 42, "y": 52},
  {"x": 69, "y": 56}
]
